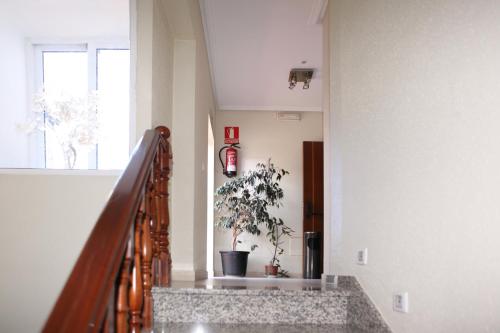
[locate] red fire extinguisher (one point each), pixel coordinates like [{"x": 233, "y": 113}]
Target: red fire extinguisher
[{"x": 229, "y": 169}]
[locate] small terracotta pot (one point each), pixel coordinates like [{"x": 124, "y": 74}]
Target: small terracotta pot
[{"x": 271, "y": 271}]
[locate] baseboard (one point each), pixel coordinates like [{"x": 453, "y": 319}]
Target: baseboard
[
  {"x": 201, "y": 275},
  {"x": 188, "y": 275},
  {"x": 259, "y": 275}
]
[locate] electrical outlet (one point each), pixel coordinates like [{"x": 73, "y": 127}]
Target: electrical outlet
[
  {"x": 332, "y": 280},
  {"x": 400, "y": 302},
  {"x": 362, "y": 258}
]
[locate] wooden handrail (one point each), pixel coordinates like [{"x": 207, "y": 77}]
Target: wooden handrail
[{"x": 109, "y": 288}]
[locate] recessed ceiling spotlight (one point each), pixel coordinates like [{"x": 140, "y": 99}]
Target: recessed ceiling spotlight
[
  {"x": 292, "y": 80},
  {"x": 300, "y": 75}
]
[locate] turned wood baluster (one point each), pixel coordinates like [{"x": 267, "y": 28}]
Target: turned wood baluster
[
  {"x": 122, "y": 298},
  {"x": 147, "y": 256},
  {"x": 136, "y": 289},
  {"x": 158, "y": 216},
  {"x": 155, "y": 224},
  {"x": 159, "y": 265},
  {"x": 162, "y": 209}
]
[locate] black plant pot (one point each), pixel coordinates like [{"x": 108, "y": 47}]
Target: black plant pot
[{"x": 234, "y": 263}]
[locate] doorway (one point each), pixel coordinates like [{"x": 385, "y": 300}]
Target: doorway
[{"x": 313, "y": 192}]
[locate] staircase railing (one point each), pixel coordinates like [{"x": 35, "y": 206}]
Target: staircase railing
[{"x": 109, "y": 289}]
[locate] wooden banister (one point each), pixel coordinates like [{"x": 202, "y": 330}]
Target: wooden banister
[{"x": 109, "y": 289}]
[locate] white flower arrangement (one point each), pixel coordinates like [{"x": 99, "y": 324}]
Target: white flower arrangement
[{"x": 72, "y": 119}]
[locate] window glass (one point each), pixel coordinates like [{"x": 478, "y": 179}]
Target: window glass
[
  {"x": 65, "y": 78},
  {"x": 85, "y": 104}
]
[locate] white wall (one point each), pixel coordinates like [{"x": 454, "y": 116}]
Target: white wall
[
  {"x": 415, "y": 102},
  {"x": 154, "y": 50},
  {"x": 13, "y": 96},
  {"x": 42, "y": 21},
  {"x": 262, "y": 136},
  {"x": 163, "y": 60},
  {"x": 191, "y": 104},
  {"x": 46, "y": 220},
  {"x": 205, "y": 108},
  {"x": 183, "y": 168},
  {"x": 327, "y": 144}
]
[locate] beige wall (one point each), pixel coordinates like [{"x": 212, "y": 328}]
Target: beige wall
[
  {"x": 415, "y": 106},
  {"x": 46, "y": 220},
  {"x": 183, "y": 169},
  {"x": 192, "y": 105},
  {"x": 152, "y": 50},
  {"x": 205, "y": 108},
  {"x": 327, "y": 145},
  {"x": 141, "y": 50},
  {"x": 163, "y": 60},
  {"x": 262, "y": 136}
]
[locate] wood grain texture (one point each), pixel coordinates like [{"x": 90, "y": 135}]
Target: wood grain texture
[
  {"x": 136, "y": 288},
  {"x": 313, "y": 189},
  {"x": 122, "y": 309},
  {"x": 147, "y": 258}
]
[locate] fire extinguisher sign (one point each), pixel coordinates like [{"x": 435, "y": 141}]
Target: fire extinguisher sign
[{"x": 231, "y": 135}]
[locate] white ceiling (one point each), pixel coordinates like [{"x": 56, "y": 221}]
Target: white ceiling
[
  {"x": 252, "y": 46},
  {"x": 65, "y": 18}
]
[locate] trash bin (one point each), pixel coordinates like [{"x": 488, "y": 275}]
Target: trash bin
[{"x": 312, "y": 255}]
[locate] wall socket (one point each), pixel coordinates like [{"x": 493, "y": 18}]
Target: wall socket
[
  {"x": 332, "y": 280},
  {"x": 362, "y": 257},
  {"x": 400, "y": 302}
]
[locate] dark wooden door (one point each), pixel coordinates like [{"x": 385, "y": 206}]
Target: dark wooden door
[{"x": 313, "y": 189}]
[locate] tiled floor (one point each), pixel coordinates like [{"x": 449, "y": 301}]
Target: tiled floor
[{"x": 250, "y": 328}]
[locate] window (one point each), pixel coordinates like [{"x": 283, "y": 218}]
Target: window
[{"x": 91, "y": 82}]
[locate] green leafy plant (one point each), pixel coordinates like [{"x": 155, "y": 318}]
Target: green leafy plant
[
  {"x": 276, "y": 230},
  {"x": 242, "y": 203}
]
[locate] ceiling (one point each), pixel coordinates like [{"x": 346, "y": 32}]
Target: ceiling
[
  {"x": 252, "y": 45},
  {"x": 52, "y": 19}
]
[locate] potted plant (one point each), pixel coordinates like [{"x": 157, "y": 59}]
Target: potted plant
[
  {"x": 276, "y": 230},
  {"x": 242, "y": 205}
]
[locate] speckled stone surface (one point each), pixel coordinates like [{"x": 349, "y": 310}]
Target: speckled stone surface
[
  {"x": 342, "y": 306},
  {"x": 362, "y": 313},
  {"x": 255, "y": 307},
  {"x": 251, "y": 328}
]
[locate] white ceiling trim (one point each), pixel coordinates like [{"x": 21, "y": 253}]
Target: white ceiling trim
[
  {"x": 271, "y": 108},
  {"x": 205, "y": 18},
  {"x": 317, "y": 13}
]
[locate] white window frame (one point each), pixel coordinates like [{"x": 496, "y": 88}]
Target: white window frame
[{"x": 35, "y": 49}]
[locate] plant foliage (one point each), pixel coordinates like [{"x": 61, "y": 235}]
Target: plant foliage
[
  {"x": 242, "y": 203},
  {"x": 276, "y": 230}
]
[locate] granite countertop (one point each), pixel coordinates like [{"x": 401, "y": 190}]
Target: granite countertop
[{"x": 345, "y": 286}]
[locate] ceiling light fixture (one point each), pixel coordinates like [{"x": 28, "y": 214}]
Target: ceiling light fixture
[
  {"x": 292, "y": 80},
  {"x": 306, "y": 84},
  {"x": 300, "y": 75}
]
